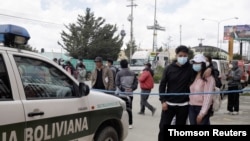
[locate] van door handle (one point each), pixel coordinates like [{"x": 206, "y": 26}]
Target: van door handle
[
  {"x": 82, "y": 108},
  {"x": 32, "y": 114}
]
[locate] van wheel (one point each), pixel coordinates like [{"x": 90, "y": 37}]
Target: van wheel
[{"x": 107, "y": 134}]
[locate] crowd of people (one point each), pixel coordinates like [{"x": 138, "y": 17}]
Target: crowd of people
[{"x": 196, "y": 76}]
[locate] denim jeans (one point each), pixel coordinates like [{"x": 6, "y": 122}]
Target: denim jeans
[{"x": 194, "y": 112}]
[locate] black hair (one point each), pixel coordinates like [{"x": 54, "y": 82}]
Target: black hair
[
  {"x": 110, "y": 61},
  {"x": 203, "y": 69},
  {"x": 54, "y": 59},
  {"x": 181, "y": 48},
  {"x": 209, "y": 58},
  {"x": 124, "y": 63},
  {"x": 81, "y": 65}
]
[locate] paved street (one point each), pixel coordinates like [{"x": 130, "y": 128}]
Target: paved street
[{"x": 146, "y": 126}]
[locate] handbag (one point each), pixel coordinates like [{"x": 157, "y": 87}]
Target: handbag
[{"x": 216, "y": 100}]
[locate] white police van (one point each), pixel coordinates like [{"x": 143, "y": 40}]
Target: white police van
[{"x": 40, "y": 101}]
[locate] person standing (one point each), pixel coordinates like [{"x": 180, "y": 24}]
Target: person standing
[
  {"x": 102, "y": 77},
  {"x": 69, "y": 67},
  {"x": 176, "y": 78},
  {"x": 234, "y": 77},
  {"x": 127, "y": 82},
  {"x": 81, "y": 73},
  {"x": 200, "y": 103},
  {"x": 114, "y": 71},
  {"x": 146, "y": 83}
]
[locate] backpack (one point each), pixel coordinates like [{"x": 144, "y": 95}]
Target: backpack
[{"x": 216, "y": 75}]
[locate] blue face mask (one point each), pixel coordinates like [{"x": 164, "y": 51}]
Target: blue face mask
[
  {"x": 197, "y": 67},
  {"x": 182, "y": 60}
]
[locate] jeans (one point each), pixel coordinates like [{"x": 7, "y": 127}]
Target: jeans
[
  {"x": 129, "y": 110},
  {"x": 144, "y": 101},
  {"x": 181, "y": 114},
  {"x": 233, "y": 100},
  {"x": 194, "y": 112}
]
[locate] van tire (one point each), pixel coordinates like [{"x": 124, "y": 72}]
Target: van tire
[{"x": 107, "y": 134}]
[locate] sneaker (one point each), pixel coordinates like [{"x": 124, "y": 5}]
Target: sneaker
[
  {"x": 229, "y": 113},
  {"x": 141, "y": 113},
  {"x": 235, "y": 113},
  {"x": 153, "y": 111},
  {"x": 130, "y": 126}
]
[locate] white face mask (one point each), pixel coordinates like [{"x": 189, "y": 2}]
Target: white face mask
[
  {"x": 182, "y": 60},
  {"x": 230, "y": 66},
  {"x": 197, "y": 67},
  {"x": 207, "y": 64}
]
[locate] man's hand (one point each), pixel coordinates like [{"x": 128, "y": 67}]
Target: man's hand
[
  {"x": 128, "y": 90},
  {"x": 164, "y": 106}
]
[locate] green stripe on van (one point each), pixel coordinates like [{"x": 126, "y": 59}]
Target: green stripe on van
[{"x": 59, "y": 128}]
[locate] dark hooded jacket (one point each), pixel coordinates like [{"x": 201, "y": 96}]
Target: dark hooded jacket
[{"x": 176, "y": 79}]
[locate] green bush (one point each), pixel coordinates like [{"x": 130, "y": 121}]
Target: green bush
[{"x": 158, "y": 74}]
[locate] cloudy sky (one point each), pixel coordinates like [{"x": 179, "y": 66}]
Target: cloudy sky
[{"x": 45, "y": 19}]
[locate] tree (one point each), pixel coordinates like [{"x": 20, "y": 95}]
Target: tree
[
  {"x": 127, "y": 50},
  {"x": 237, "y": 57},
  {"x": 27, "y": 47},
  {"x": 90, "y": 37},
  {"x": 190, "y": 53},
  {"x": 160, "y": 49}
]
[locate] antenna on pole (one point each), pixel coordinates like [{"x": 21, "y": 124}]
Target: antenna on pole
[
  {"x": 155, "y": 27},
  {"x": 200, "y": 39}
]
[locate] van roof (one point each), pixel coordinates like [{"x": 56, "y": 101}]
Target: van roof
[
  {"x": 140, "y": 54},
  {"x": 21, "y": 51}
]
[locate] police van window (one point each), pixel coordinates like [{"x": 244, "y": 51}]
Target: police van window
[
  {"x": 5, "y": 91},
  {"x": 43, "y": 80}
]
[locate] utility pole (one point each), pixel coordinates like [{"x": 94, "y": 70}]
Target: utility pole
[
  {"x": 155, "y": 27},
  {"x": 180, "y": 33},
  {"x": 130, "y": 19}
]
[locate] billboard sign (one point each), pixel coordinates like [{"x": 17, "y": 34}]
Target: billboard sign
[{"x": 237, "y": 32}]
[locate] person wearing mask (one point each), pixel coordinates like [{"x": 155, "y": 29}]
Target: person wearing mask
[
  {"x": 176, "y": 78},
  {"x": 102, "y": 77},
  {"x": 234, "y": 77},
  {"x": 200, "y": 99},
  {"x": 146, "y": 83},
  {"x": 127, "y": 82}
]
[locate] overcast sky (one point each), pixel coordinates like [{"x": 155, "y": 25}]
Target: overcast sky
[{"x": 49, "y": 17}]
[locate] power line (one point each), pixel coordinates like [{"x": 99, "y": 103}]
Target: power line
[{"x": 34, "y": 20}]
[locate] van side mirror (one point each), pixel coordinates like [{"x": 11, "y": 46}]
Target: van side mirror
[{"x": 83, "y": 89}]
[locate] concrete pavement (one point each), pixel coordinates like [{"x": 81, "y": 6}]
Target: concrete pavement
[{"x": 146, "y": 127}]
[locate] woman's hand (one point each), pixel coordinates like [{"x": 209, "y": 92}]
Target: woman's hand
[
  {"x": 207, "y": 72},
  {"x": 199, "y": 118}
]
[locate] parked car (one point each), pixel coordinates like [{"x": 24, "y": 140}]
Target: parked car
[{"x": 42, "y": 101}]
